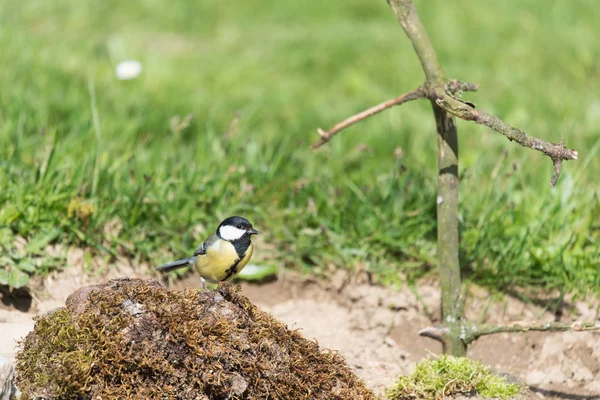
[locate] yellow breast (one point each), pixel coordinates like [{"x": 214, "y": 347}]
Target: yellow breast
[{"x": 221, "y": 262}]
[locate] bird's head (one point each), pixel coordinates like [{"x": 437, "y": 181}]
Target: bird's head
[{"x": 235, "y": 228}]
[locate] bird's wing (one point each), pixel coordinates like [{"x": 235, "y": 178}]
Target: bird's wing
[{"x": 206, "y": 244}]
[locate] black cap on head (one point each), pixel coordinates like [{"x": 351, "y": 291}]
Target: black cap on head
[{"x": 239, "y": 223}]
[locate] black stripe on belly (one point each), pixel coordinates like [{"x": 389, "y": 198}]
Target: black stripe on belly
[
  {"x": 241, "y": 246},
  {"x": 231, "y": 271}
]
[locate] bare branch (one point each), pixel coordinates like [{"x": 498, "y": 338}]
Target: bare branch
[
  {"x": 466, "y": 111},
  {"x": 418, "y": 93},
  {"x": 557, "y": 165},
  {"x": 435, "y": 332},
  {"x": 471, "y": 332},
  {"x": 475, "y": 331},
  {"x": 447, "y": 182},
  {"x": 407, "y": 16}
]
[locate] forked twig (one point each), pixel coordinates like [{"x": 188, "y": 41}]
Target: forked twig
[
  {"x": 557, "y": 152},
  {"x": 418, "y": 93},
  {"x": 456, "y": 332},
  {"x": 453, "y": 86},
  {"x": 526, "y": 326},
  {"x": 471, "y": 332}
]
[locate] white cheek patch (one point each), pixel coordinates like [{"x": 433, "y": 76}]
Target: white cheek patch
[{"x": 231, "y": 232}]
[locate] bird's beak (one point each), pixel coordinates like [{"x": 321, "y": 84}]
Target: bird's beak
[{"x": 252, "y": 231}]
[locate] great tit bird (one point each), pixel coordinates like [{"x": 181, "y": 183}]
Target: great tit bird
[{"x": 223, "y": 254}]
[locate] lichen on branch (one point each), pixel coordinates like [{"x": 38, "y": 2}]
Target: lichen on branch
[
  {"x": 557, "y": 152},
  {"x": 475, "y": 331},
  {"x": 471, "y": 332}
]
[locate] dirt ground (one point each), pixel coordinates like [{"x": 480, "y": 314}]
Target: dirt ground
[{"x": 375, "y": 328}]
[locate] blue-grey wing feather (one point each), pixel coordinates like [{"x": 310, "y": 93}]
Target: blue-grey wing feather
[
  {"x": 202, "y": 249},
  {"x": 205, "y": 245}
]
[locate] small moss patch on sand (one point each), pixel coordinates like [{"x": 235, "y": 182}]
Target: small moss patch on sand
[
  {"x": 443, "y": 376},
  {"x": 135, "y": 339}
]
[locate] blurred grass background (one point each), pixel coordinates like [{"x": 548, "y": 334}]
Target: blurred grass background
[{"x": 109, "y": 165}]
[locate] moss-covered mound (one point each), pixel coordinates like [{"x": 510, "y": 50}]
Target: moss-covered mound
[
  {"x": 448, "y": 377},
  {"x": 135, "y": 339}
]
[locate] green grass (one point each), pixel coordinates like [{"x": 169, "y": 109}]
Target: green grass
[
  {"x": 437, "y": 378},
  {"x": 91, "y": 161}
]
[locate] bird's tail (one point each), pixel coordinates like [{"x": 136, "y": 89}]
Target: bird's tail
[{"x": 176, "y": 265}]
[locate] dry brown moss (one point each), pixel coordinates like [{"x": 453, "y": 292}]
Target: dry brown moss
[{"x": 135, "y": 339}]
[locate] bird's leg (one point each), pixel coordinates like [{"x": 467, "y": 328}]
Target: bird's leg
[{"x": 203, "y": 283}]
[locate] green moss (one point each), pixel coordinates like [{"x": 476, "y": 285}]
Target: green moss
[
  {"x": 437, "y": 378},
  {"x": 135, "y": 339}
]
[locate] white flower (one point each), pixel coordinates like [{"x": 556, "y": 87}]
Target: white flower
[{"x": 128, "y": 69}]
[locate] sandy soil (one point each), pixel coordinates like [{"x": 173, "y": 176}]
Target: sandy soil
[{"x": 375, "y": 328}]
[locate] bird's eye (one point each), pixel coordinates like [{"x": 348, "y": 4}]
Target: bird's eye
[{"x": 239, "y": 226}]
